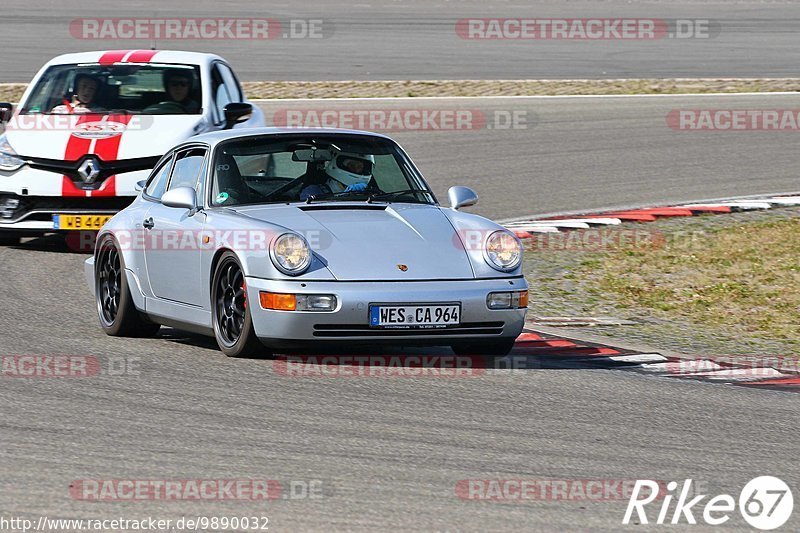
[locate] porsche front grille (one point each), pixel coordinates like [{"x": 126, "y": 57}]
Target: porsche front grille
[{"x": 360, "y": 330}]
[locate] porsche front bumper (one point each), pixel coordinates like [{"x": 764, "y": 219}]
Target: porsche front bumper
[{"x": 349, "y": 322}]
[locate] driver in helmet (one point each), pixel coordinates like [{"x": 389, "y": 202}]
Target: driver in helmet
[{"x": 345, "y": 172}]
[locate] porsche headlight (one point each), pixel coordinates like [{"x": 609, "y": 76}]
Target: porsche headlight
[
  {"x": 503, "y": 251},
  {"x": 8, "y": 157},
  {"x": 291, "y": 254}
]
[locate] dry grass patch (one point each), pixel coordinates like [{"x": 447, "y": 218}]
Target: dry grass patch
[{"x": 743, "y": 280}]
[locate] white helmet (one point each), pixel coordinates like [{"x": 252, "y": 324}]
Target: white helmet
[{"x": 349, "y": 168}]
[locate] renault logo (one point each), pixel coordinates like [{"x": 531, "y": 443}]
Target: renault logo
[
  {"x": 402, "y": 268},
  {"x": 89, "y": 170}
]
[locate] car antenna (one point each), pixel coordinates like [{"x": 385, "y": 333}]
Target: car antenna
[{"x": 153, "y": 41}]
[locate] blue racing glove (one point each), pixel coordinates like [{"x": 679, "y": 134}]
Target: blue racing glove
[{"x": 356, "y": 187}]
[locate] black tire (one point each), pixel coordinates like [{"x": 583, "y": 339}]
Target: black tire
[
  {"x": 494, "y": 348},
  {"x": 233, "y": 324},
  {"x": 118, "y": 316}
]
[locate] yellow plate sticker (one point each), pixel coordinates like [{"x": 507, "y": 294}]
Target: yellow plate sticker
[{"x": 79, "y": 222}]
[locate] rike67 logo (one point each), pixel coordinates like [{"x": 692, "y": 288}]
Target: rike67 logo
[{"x": 765, "y": 503}]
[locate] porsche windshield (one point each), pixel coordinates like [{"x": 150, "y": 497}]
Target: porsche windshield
[
  {"x": 152, "y": 89},
  {"x": 320, "y": 167}
]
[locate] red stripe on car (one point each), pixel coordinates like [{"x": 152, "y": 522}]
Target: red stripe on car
[
  {"x": 114, "y": 56},
  {"x": 76, "y": 148},
  {"x": 108, "y": 150},
  {"x": 141, "y": 56},
  {"x": 105, "y": 149}
]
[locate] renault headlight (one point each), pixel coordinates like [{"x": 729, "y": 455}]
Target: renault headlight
[
  {"x": 291, "y": 254},
  {"x": 8, "y": 157},
  {"x": 503, "y": 251}
]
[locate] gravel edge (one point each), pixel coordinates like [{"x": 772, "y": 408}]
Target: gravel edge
[{"x": 477, "y": 88}]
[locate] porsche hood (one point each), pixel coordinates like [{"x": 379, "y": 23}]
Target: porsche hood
[{"x": 363, "y": 242}]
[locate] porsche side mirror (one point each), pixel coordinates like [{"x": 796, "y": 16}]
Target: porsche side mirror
[
  {"x": 6, "y": 112},
  {"x": 182, "y": 197},
  {"x": 237, "y": 112},
  {"x": 461, "y": 197},
  {"x": 140, "y": 185}
]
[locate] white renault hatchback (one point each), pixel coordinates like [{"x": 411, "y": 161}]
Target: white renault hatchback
[{"x": 91, "y": 125}]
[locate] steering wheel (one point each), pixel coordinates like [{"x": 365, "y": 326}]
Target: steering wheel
[{"x": 167, "y": 107}]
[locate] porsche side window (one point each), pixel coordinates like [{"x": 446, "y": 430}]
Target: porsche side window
[
  {"x": 158, "y": 183},
  {"x": 187, "y": 168}
]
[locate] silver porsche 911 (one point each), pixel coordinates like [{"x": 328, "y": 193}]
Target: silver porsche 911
[{"x": 271, "y": 239}]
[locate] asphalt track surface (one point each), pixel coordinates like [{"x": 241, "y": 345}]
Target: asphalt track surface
[
  {"x": 577, "y": 153},
  {"x": 389, "y": 452},
  {"x": 416, "y": 39}
]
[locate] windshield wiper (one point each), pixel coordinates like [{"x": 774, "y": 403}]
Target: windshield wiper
[
  {"x": 393, "y": 194},
  {"x": 327, "y": 195}
]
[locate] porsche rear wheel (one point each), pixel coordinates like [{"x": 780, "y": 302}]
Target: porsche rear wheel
[
  {"x": 233, "y": 324},
  {"x": 118, "y": 316}
]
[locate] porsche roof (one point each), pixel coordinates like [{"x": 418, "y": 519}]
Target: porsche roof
[{"x": 219, "y": 136}]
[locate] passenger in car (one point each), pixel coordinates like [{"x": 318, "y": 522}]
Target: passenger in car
[{"x": 84, "y": 94}]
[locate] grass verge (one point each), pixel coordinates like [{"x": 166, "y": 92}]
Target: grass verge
[
  {"x": 707, "y": 283},
  {"x": 742, "y": 280}
]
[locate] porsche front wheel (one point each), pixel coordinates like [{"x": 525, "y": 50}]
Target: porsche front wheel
[{"x": 233, "y": 324}]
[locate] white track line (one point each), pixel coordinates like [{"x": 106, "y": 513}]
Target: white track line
[
  {"x": 683, "y": 367},
  {"x": 537, "y": 229},
  {"x": 643, "y": 358},
  {"x": 554, "y": 224},
  {"x": 740, "y": 374},
  {"x": 749, "y": 199},
  {"x": 532, "y": 96},
  {"x": 598, "y": 221},
  {"x": 789, "y": 200}
]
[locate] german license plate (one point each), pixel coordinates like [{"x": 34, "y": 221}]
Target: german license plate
[
  {"x": 414, "y": 316},
  {"x": 78, "y": 222}
]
